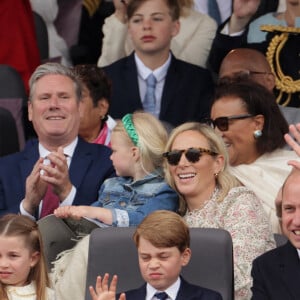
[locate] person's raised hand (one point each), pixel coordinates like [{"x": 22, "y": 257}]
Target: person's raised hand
[
  {"x": 293, "y": 138},
  {"x": 104, "y": 291},
  {"x": 243, "y": 11},
  {"x": 121, "y": 10}
]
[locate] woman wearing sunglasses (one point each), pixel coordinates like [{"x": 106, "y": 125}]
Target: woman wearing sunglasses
[
  {"x": 246, "y": 116},
  {"x": 196, "y": 165}
]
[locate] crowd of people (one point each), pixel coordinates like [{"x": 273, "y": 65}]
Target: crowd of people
[{"x": 187, "y": 119}]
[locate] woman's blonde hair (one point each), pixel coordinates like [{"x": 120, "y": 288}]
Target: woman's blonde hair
[
  {"x": 224, "y": 180},
  {"x": 152, "y": 139},
  {"x": 12, "y": 225}
]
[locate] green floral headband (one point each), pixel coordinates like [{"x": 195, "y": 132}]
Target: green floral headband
[{"x": 129, "y": 127}]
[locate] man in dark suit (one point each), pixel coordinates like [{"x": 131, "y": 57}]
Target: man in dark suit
[
  {"x": 276, "y": 274},
  {"x": 72, "y": 169},
  {"x": 162, "y": 240},
  {"x": 182, "y": 90}
]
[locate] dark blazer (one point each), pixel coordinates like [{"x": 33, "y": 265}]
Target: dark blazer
[
  {"x": 289, "y": 55},
  {"x": 186, "y": 94},
  {"x": 90, "y": 166},
  {"x": 186, "y": 291},
  {"x": 276, "y": 274},
  {"x": 222, "y": 44}
]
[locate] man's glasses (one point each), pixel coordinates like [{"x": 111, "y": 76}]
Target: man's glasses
[
  {"x": 222, "y": 123},
  {"x": 192, "y": 155},
  {"x": 245, "y": 74}
]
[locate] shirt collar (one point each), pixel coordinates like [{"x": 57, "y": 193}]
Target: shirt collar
[
  {"x": 172, "y": 290},
  {"x": 298, "y": 250},
  {"x": 68, "y": 150},
  {"x": 160, "y": 73}
]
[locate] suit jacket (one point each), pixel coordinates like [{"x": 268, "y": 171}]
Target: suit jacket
[
  {"x": 289, "y": 54},
  {"x": 186, "y": 94},
  {"x": 222, "y": 44},
  {"x": 276, "y": 274},
  {"x": 90, "y": 166},
  {"x": 186, "y": 291}
]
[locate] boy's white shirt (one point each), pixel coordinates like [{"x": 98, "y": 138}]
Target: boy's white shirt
[
  {"x": 160, "y": 75},
  {"x": 172, "y": 290}
]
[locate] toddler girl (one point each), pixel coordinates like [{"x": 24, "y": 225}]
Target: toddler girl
[
  {"x": 23, "y": 273},
  {"x": 137, "y": 144}
]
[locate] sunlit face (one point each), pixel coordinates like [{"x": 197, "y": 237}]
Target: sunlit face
[
  {"x": 122, "y": 155},
  {"x": 291, "y": 210},
  {"x": 160, "y": 267},
  {"x": 193, "y": 179},
  {"x": 239, "y": 137},
  {"x": 90, "y": 121},
  {"x": 16, "y": 260},
  {"x": 151, "y": 28},
  {"x": 54, "y": 109}
]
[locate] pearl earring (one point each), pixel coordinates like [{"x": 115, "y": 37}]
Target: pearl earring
[{"x": 257, "y": 133}]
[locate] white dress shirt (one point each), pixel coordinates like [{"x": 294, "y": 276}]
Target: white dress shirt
[
  {"x": 172, "y": 291},
  {"x": 160, "y": 75}
]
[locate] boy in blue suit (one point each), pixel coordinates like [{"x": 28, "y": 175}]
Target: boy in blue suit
[
  {"x": 162, "y": 241},
  {"x": 182, "y": 91}
]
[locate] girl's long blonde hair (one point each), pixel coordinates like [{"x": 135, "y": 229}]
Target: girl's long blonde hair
[{"x": 12, "y": 225}]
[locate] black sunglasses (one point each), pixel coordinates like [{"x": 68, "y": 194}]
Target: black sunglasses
[
  {"x": 192, "y": 155},
  {"x": 223, "y": 122}
]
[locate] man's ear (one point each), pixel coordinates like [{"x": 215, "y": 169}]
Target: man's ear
[
  {"x": 29, "y": 105},
  {"x": 270, "y": 82}
]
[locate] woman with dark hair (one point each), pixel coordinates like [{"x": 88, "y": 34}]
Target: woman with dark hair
[
  {"x": 95, "y": 123},
  {"x": 248, "y": 119}
]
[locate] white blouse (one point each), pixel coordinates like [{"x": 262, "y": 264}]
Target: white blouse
[{"x": 27, "y": 292}]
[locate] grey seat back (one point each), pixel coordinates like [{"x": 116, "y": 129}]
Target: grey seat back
[
  {"x": 12, "y": 87},
  {"x": 112, "y": 250},
  {"x": 9, "y": 142}
]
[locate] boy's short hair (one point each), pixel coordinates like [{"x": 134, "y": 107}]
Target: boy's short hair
[
  {"x": 173, "y": 5},
  {"x": 164, "y": 229}
]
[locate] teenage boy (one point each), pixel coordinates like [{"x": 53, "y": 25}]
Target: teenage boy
[
  {"x": 178, "y": 91},
  {"x": 162, "y": 241}
]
